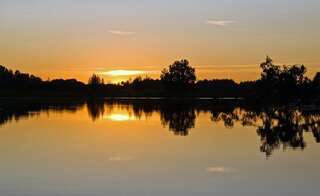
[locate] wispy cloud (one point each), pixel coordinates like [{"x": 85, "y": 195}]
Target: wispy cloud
[
  {"x": 219, "y": 169},
  {"x": 220, "y": 23},
  {"x": 119, "y": 32}
]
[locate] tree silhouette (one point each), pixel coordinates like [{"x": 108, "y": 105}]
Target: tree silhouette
[
  {"x": 95, "y": 81},
  {"x": 316, "y": 79},
  {"x": 270, "y": 72},
  {"x": 179, "y": 75},
  {"x": 283, "y": 82},
  {"x": 10, "y": 79},
  {"x": 277, "y": 84}
]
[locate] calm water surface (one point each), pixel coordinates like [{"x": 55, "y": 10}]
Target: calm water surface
[{"x": 151, "y": 148}]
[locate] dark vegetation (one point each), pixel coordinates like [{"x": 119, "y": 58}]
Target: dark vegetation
[
  {"x": 277, "y": 83},
  {"x": 276, "y": 126}
]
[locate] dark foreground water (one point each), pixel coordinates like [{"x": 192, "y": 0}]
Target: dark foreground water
[{"x": 157, "y": 148}]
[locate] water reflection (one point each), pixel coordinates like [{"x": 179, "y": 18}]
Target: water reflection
[
  {"x": 277, "y": 127},
  {"x": 119, "y": 117},
  {"x": 179, "y": 118},
  {"x": 95, "y": 109},
  {"x": 23, "y": 109}
]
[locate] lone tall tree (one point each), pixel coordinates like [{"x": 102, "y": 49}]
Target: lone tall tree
[
  {"x": 179, "y": 75},
  {"x": 95, "y": 81}
]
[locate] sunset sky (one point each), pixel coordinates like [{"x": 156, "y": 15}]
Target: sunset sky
[{"x": 120, "y": 39}]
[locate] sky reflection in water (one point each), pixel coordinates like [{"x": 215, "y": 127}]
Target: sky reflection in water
[{"x": 157, "y": 148}]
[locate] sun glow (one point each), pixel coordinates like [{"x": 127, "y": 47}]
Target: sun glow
[{"x": 123, "y": 72}]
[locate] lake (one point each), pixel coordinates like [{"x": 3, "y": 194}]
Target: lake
[{"x": 157, "y": 148}]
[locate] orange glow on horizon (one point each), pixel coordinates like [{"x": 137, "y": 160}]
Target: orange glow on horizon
[{"x": 123, "y": 73}]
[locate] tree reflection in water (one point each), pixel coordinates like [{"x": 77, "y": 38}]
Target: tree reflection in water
[
  {"x": 178, "y": 117},
  {"x": 276, "y": 126},
  {"x": 26, "y": 108},
  {"x": 95, "y": 108}
]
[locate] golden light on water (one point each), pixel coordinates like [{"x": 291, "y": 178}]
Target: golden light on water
[{"x": 119, "y": 117}]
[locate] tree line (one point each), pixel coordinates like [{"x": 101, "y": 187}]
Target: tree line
[{"x": 178, "y": 80}]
